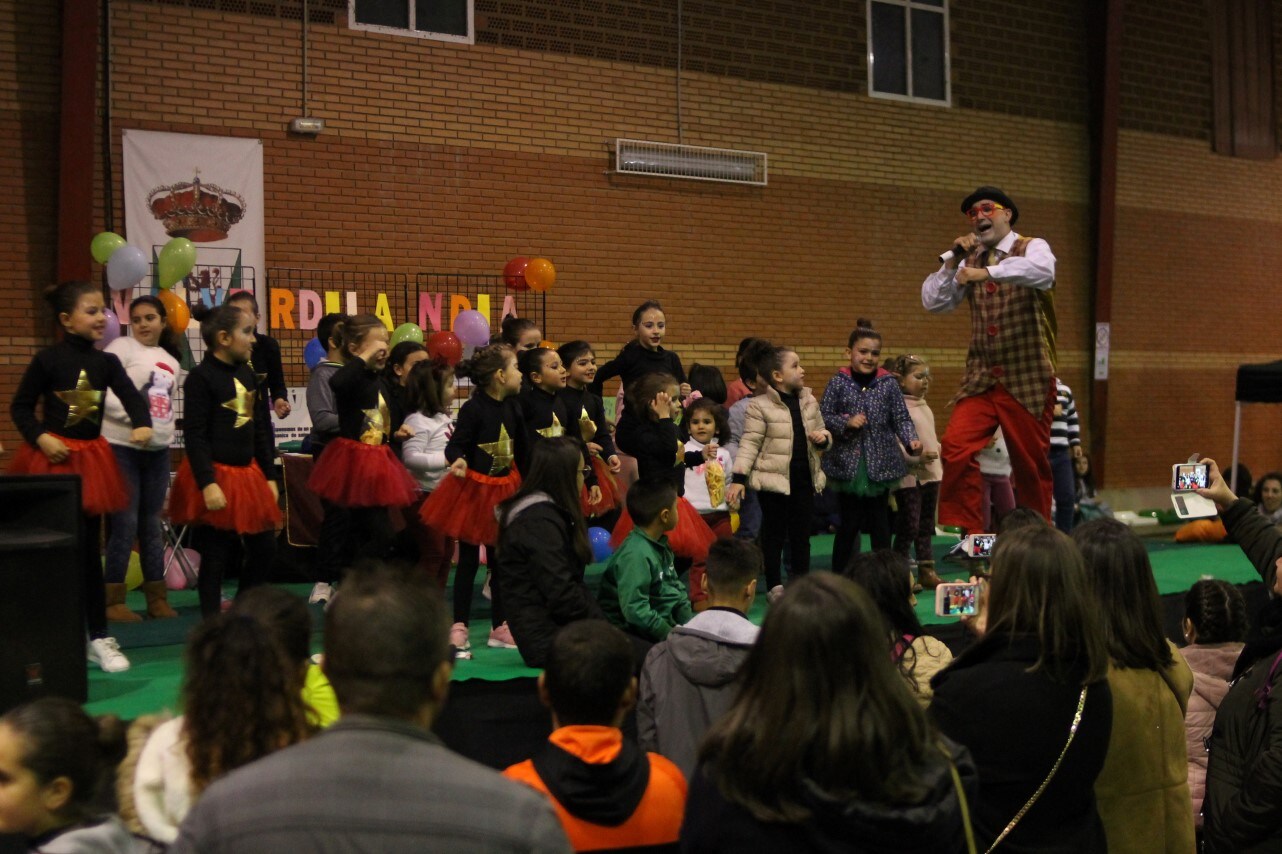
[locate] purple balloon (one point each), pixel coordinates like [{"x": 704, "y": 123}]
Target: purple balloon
[
  {"x": 472, "y": 328},
  {"x": 112, "y": 332},
  {"x": 126, "y": 267}
]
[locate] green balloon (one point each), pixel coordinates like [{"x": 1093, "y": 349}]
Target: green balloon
[
  {"x": 407, "y": 332},
  {"x": 176, "y": 260},
  {"x": 104, "y": 243}
]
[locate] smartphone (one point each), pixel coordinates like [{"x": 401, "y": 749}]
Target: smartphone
[
  {"x": 980, "y": 545},
  {"x": 957, "y": 599},
  {"x": 1186, "y": 477}
]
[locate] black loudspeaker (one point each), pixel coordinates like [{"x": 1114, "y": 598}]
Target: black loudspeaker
[{"x": 42, "y": 608}]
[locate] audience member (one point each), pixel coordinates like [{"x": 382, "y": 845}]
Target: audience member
[
  {"x": 824, "y": 748},
  {"x": 1267, "y": 496},
  {"x": 1143, "y": 791},
  {"x": 689, "y": 679},
  {"x": 1030, "y": 698},
  {"x": 286, "y": 615},
  {"x": 378, "y": 780},
  {"x": 608, "y": 794}
]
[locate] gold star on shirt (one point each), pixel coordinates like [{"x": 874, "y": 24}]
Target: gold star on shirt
[
  {"x": 376, "y": 422},
  {"x": 587, "y": 427},
  {"x": 500, "y": 451},
  {"x": 552, "y": 430},
  {"x": 83, "y": 402},
  {"x": 242, "y": 404}
]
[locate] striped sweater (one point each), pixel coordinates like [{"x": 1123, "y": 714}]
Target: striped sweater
[{"x": 1065, "y": 430}]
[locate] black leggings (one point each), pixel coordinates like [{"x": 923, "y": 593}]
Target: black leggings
[
  {"x": 219, "y": 549},
  {"x": 859, "y": 513},
  {"x": 469, "y": 562},
  {"x": 92, "y": 578},
  {"x": 786, "y": 518}
]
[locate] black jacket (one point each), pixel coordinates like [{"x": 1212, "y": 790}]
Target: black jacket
[{"x": 541, "y": 575}]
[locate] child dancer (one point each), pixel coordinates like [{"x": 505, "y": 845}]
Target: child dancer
[
  {"x": 864, "y": 410},
  {"x": 69, "y": 380},
  {"x": 485, "y": 451},
  {"x": 151, "y": 357},
  {"x": 358, "y": 470},
  {"x": 783, "y": 438},
  {"x": 919, "y": 491},
  {"x": 400, "y": 360},
  {"x": 706, "y": 428},
  {"x": 580, "y": 366},
  {"x": 320, "y": 406},
  {"x": 545, "y": 412},
  {"x": 221, "y": 487},
  {"x": 661, "y": 455},
  {"x": 265, "y": 360},
  {"x": 423, "y": 453},
  {"x": 644, "y": 355},
  {"x": 520, "y": 333}
]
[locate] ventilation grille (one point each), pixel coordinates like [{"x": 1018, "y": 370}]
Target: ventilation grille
[{"x": 638, "y": 157}]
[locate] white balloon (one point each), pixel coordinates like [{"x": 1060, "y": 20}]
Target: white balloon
[{"x": 126, "y": 267}]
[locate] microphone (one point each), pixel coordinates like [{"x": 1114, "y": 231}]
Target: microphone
[{"x": 958, "y": 251}]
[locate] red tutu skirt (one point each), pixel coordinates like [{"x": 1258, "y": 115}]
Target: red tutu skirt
[
  {"x": 463, "y": 507},
  {"x": 354, "y": 474},
  {"x": 690, "y": 538},
  {"x": 250, "y": 508},
  {"x": 609, "y": 490},
  {"x": 102, "y": 489}
]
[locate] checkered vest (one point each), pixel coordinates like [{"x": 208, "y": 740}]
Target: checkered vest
[{"x": 1012, "y": 337}]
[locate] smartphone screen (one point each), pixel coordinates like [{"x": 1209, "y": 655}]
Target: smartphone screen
[
  {"x": 981, "y": 545},
  {"x": 1191, "y": 476},
  {"x": 957, "y": 600}
]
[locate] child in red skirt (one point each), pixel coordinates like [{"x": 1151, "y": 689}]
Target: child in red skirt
[
  {"x": 221, "y": 487},
  {"x": 487, "y": 448},
  {"x": 427, "y": 430},
  {"x": 70, "y": 379},
  {"x": 545, "y": 412},
  {"x": 359, "y": 470},
  {"x": 580, "y": 370},
  {"x": 652, "y": 436}
]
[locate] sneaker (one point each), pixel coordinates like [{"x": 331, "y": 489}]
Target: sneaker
[
  {"x": 321, "y": 592},
  {"x": 462, "y": 654},
  {"x": 458, "y": 637},
  {"x": 105, "y": 652},
  {"x": 501, "y": 638},
  {"x": 775, "y": 593}
]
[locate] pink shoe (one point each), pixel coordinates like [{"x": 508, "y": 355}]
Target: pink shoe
[
  {"x": 501, "y": 638},
  {"x": 459, "y": 639}
]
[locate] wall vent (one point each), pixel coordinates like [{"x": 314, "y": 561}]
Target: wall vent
[{"x": 639, "y": 157}]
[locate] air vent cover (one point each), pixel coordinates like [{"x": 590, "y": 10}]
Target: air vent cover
[{"x": 639, "y": 157}]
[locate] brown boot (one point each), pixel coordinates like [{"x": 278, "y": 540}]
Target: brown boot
[
  {"x": 158, "y": 600},
  {"x": 117, "y": 610},
  {"x": 926, "y": 575}
]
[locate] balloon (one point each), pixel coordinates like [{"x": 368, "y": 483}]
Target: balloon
[
  {"x": 407, "y": 332},
  {"x": 126, "y": 268},
  {"x": 104, "y": 244},
  {"x": 133, "y": 572},
  {"x": 514, "y": 274},
  {"x": 445, "y": 347},
  {"x": 471, "y": 327},
  {"x": 175, "y": 575},
  {"x": 176, "y": 260},
  {"x": 600, "y": 540},
  {"x": 313, "y": 353},
  {"x": 548, "y": 345},
  {"x": 177, "y": 310},
  {"x": 540, "y": 275},
  {"x": 112, "y": 332}
]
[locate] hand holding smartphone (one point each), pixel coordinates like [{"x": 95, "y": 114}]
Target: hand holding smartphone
[{"x": 957, "y": 599}]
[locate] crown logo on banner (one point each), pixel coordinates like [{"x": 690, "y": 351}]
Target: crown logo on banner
[{"x": 202, "y": 213}]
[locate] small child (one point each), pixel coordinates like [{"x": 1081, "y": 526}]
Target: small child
[
  {"x": 640, "y": 591},
  {"x": 544, "y": 411},
  {"x": 864, "y": 410},
  {"x": 519, "y": 333},
  {"x": 335, "y": 526},
  {"x": 918, "y": 492},
  {"x": 994, "y": 465},
  {"x": 1066, "y": 445},
  {"x": 705, "y": 428},
  {"x": 741, "y": 388},
  {"x": 607, "y": 794},
  {"x": 680, "y": 698},
  {"x": 783, "y": 438},
  {"x": 265, "y": 361},
  {"x": 580, "y": 370},
  {"x": 400, "y": 360},
  {"x": 708, "y": 382},
  {"x": 423, "y": 453},
  {"x": 751, "y": 351}
]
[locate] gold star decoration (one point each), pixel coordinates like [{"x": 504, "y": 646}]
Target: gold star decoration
[
  {"x": 587, "y": 427},
  {"x": 376, "y": 422},
  {"x": 242, "y": 404},
  {"x": 552, "y": 430},
  {"x": 500, "y": 451},
  {"x": 84, "y": 402}
]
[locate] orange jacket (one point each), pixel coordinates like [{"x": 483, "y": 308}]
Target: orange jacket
[{"x": 656, "y": 819}]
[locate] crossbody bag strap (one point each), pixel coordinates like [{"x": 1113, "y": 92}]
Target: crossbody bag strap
[
  {"x": 1072, "y": 733},
  {"x": 961, "y": 800}
]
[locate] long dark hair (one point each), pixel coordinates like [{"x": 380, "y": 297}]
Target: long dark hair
[
  {"x": 168, "y": 337},
  {"x": 845, "y": 722},
  {"x": 886, "y": 577},
  {"x": 554, "y": 469},
  {"x": 1121, "y": 579},
  {"x": 638, "y": 396},
  {"x": 719, "y": 418},
  {"x": 425, "y": 389}
]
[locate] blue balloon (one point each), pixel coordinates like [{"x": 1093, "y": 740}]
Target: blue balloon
[
  {"x": 313, "y": 353},
  {"x": 600, "y": 540}
]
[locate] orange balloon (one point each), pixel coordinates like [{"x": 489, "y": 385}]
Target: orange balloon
[
  {"x": 175, "y": 310},
  {"x": 540, "y": 275}
]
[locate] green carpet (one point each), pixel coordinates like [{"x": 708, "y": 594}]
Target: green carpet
[{"x": 155, "y": 647}]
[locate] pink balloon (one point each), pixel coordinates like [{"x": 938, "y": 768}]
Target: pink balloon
[
  {"x": 472, "y": 328},
  {"x": 112, "y": 332},
  {"x": 175, "y": 577}
]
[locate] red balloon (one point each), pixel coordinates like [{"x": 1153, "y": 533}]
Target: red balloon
[
  {"x": 445, "y": 347},
  {"x": 514, "y": 274}
]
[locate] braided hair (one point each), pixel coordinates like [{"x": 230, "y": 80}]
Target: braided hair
[{"x": 1217, "y": 611}]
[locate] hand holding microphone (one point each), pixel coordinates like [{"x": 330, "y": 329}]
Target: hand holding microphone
[{"x": 962, "y": 247}]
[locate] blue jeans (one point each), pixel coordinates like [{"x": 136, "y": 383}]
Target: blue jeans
[
  {"x": 1064, "y": 480},
  {"x": 146, "y": 473}
]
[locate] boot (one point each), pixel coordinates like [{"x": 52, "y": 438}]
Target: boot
[
  {"x": 117, "y": 610},
  {"x": 158, "y": 600},
  {"x": 926, "y": 575}
]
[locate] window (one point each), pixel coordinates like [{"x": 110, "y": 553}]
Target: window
[
  {"x": 908, "y": 50},
  {"x": 447, "y": 20}
]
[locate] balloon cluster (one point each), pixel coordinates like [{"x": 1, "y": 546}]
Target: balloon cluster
[
  {"x": 127, "y": 266},
  {"x": 529, "y": 274}
]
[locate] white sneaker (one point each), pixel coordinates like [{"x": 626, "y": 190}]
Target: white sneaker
[
  {"x": 105, "y": 652},
  {"x": 321, "y": 592},
  {"x": 775, "y": 593}
]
